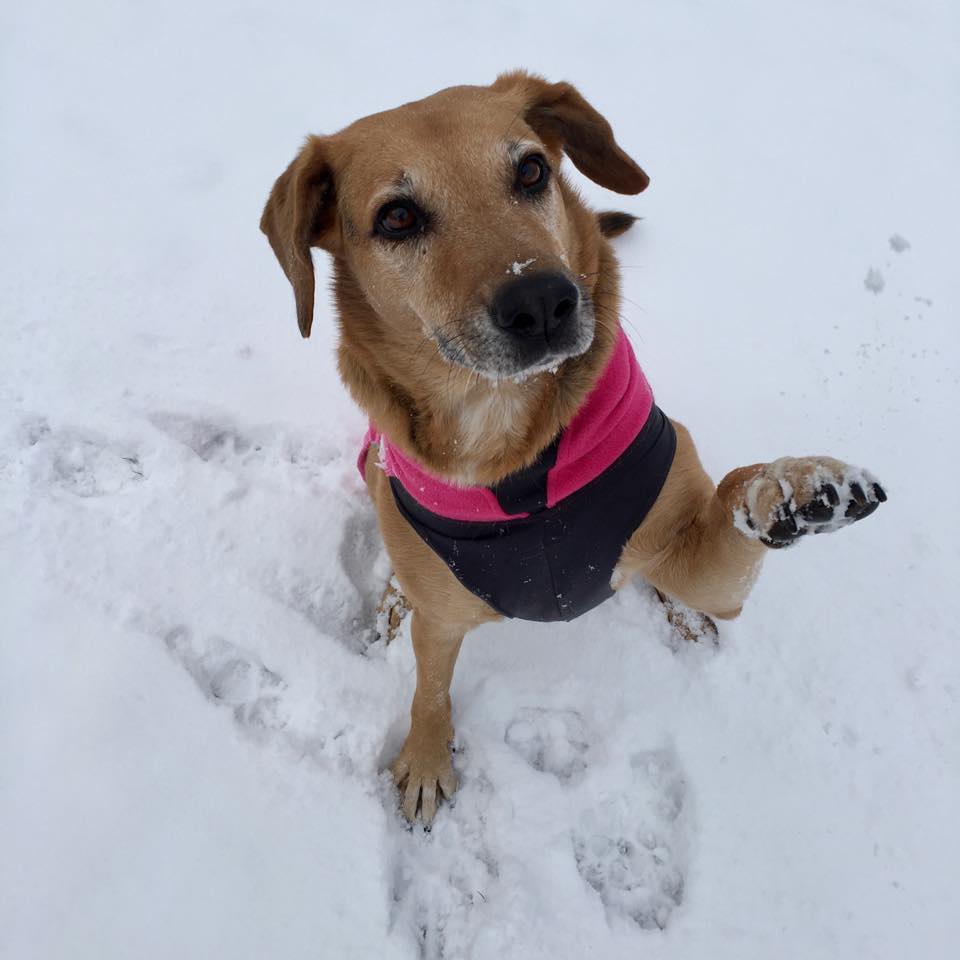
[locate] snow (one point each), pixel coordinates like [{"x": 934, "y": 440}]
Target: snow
[
  {"x": 518, "y": 266},
  {"x": 874, "y": 281},
  {"x": 193, "y": 714}
]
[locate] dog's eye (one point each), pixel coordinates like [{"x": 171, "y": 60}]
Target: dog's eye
[
  {"x": 398, "y": 220},
  {"x": 532, "y": 174}
]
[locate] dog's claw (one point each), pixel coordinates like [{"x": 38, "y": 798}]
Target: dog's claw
[{"x": 428, "y": 802}]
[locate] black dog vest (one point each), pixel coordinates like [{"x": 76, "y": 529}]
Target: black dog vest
[{"x": 543, "y": 543}]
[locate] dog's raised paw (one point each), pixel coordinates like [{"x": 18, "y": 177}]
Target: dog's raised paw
[{"x": 794, "y": 496}]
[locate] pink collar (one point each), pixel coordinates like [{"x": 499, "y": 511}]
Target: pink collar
[{"x": 602, "y": 429}]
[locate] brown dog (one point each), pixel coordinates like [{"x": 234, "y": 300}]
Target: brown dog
[{"x": 430, "y": 211}]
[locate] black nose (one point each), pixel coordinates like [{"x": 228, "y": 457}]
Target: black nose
[{"x": 535, "y": 307}]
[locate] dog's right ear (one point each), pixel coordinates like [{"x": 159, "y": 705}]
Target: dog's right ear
[{"x": 301, "y": 214}]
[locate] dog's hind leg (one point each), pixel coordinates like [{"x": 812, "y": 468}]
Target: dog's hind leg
[
  {"x": 392, "y": 610},
  {"x": 689, "y": 625},
  {"x": 704, "y": 545}
]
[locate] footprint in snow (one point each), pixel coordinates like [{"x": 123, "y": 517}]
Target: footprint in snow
[
  {"x": 228, "y": 445},
  {"x": 631, "y": 847},
  {"x": 211, "y": 442},
  {"x": 82, "y": 463},
  {"x": 340, "y": 599},
  {"x": 363, "y": 559},
  {"x": 230, "y": 677},
  {"x": 553, "y": 741}
]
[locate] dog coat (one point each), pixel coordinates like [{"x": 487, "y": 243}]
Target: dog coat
[{"x": 542, "y": 544}]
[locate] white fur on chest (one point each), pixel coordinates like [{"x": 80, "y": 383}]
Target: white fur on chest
[{"x": 491, "y": 418}]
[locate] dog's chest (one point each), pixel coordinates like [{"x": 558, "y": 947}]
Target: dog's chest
[{"x": 490, "y": 421}]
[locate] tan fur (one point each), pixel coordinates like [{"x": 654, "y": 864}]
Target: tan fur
[{"x": 393, "y": 302}]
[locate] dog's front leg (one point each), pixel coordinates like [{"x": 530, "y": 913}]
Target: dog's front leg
[
  {"x": 704, "y": 545},
  {"x": 424, "y": 764}
]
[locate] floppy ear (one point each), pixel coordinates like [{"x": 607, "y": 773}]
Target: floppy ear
[
  {"x": 299, "y": 214},
  {"x": 562, "y": 118}
]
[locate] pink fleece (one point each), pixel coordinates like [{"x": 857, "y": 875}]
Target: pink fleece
[{"x": 610, "y": 418}]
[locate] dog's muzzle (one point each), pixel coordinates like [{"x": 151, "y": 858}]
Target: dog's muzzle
[
  {"x": 540, "y": 319},
  {"x": 537, "y": 308}
]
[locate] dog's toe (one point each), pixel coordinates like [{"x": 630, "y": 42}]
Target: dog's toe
[
  {"x": 785, "y": 527},
  {"x": 422, "y": 778},
  {"x": 820, "y": 509}
]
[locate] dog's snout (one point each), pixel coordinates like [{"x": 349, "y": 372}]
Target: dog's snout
[{"x": 535, "y": 307}]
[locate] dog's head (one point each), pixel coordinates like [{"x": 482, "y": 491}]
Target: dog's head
[{"x": 453, "y": 220}]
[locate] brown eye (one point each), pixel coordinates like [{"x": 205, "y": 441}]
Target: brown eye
[
  {"x": 532, "y": 174},
  {"x": 398, "y": 220}
]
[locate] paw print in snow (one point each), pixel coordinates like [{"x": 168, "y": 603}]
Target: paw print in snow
[
  {"x": 630, "y": 848},
  {"x": 229, "y": 677},
  {"x": 554, "y": 741}
]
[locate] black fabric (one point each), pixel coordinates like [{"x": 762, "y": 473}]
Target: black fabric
[
  {"x": 557, "y": 563},
  {"x": 526, "y": 490}
]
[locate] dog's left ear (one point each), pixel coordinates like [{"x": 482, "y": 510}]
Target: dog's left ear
[
  {"x": 564, "y": 119},
  {"x": 300, "y": 214}
]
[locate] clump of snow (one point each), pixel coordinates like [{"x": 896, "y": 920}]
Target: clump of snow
[
  {"x": 518, "y": 266},
  {"x": 874, "y": 281},
  {"x": 898, "y": 244}
]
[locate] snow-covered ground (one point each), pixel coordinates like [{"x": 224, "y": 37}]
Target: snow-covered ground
[{"x": 193, "y": 715}]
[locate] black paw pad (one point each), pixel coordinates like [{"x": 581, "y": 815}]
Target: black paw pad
[
  {"x": 784, "y": 530},
  {"x": 820, "y": 509},
  {"x": 837, "y": 500},
  {"x": 859, "y": 506}
]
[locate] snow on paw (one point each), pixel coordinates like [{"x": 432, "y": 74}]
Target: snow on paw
[
  {"x": 229, "y": 677},
  {"x": 392, "y": 611},
  {"x": 792, "y": 497},
  {"x": 631, "y": 848},
  {"x": 688, "y": 625},
  {"x": 553, "y": 741}
]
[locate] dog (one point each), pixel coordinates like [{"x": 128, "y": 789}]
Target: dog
[{"x": 516, "y": 459}]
